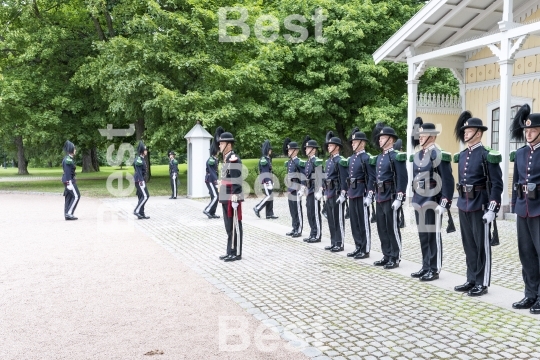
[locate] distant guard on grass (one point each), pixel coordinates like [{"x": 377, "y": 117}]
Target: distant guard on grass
[
  {"x": 140, "y": 183},
  {"x": 173, "y": 174},
  {"x": 265, "y": 170},
  {"x": 314, "y": 177},
  {"x": 211, "y": 178},
  {"x": 295, "y": 170},
  {"x": 71, "y": 191}
]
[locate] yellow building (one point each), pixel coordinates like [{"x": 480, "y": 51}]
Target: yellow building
[{"x": 492, "y": 47}]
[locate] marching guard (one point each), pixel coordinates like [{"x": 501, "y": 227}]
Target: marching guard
[
  {"x": 391, "y": 183},
  {"x": 71, "y": 190},
  {"x": 433, "y": 189},
  {"x": 480, "y": 187},
  {"x": 313, "y": 180},
  {"x": 295, "y": 169},
  {"x": 526, "y": 204},
  {"x": 230, "y": 195},
  {"x": 360, "y": 182},
  {"x": 173, "y": 174},
  {"x": 265, "y": 169},
  {"x": 140, "y": 183},
  {"x": 211, "y": 180},
  {"x": 335, "y": 192}
]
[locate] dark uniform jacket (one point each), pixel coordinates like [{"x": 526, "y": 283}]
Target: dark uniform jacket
[
  {"x": 140, "y": 169},
  {"x": 295, "y": 169},
  {"x": 313, "y": 178},
  {"x": 336, "y": 176},
  {"x": 425, "y": 184},
  {"x": 265, "y": 166},
  {"x": 471, "y": 172},
  {"x": 69, "y": 167},
  {"x": 211, "y": 170},
  {"x": 526, "y": 174},
  {"x": 173, "y": 166},
  {"x": 361, "y": 176},
  {"x": 386, "y": 188},
  {"x": 231, "y": 178}
]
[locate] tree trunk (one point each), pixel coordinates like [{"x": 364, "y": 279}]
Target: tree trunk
[
  {"x": 21, "y": 161},
  {"x": 149, "y": 172},
  {"x": 139, "y": 129},
  {"x": 344, "y": 136},
  {"x": 49, "y": 164},
  {"x": 87, "y": 162},
  {"x": 95, "y": 160}
]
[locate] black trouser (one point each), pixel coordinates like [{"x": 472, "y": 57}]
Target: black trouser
[
  {"x": 475, "y": 240},
  {"x": 528, "y": 234},
  {"x": 388, "y": 228},
  {"x": 360, "y": 225},
  {"x": 234, "y": 247},
  {"x": 313, "y": 209},
  {"x": 430, "y": 239},
  {"x": 174, "y": 184},
  {"x": 336, "y": 221},
  {"x": 267, "y": 202},
  {"x": 143, "y": 195},
  {"x": 72, "y": 197},
  {"x": 213, "y": 191},
  {"x": 295, "y": 208}
]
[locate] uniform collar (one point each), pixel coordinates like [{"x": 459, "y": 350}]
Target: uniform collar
[
  {"x": 227, "y": 154},
  {"x": 535, "y": 146},
  {"x": 477, "y": 145},
  {"x": 430, "y": 147},
  {"x": 296, "y": 157},
  {"x": 360, "y": 152},
  {"x": 311, "y": 157},
  {"x": 388, "y": 151},
  {"x": 336, "y": 154}
]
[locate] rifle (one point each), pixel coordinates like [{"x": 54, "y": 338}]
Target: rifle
[
  {"x": 451, "y": 227},
  {"x": 401, "y": 220},
  {"x": 494, "y": 239}
]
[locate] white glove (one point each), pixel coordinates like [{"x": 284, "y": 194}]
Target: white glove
[
  {"x": 367, "y": 201},
  {"x": 488, "y": 217},
  {"x": 439, "y": 210},
  {"x": 325, "y": 197},
  {"x": 396, "y": 204},
  {"x": 234, "y": 205},
  {"x": 269, "y": 185},
  {"x": 341, "y": 198},
  {"x": 318, "y": 195},
  {"x": 302, "y": 191}
]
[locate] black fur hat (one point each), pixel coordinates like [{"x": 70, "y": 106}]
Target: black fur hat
[
  {"x": 415, "y": 141},
  {"x": 69, "y": 147},
  {"x": 266, "y": 147},
  {"x": 286, "y": 146},
  {"x": 141, "y": 147},
  {"x": 459, "y": 133},
  {"x": 214, "y": 147},
  {"x": 518, "y": 124},
  {"x": 375, "y": 134},
  {"x": 306, "y": 139}
]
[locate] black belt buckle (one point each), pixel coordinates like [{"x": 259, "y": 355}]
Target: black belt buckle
[
  {"x": 380, "y": 186},
  {"x": 352, "y": 183},
  {"x": 469, "y": 189},
  {"x": 531, "y": 191}
]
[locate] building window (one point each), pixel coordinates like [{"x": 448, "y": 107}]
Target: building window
[{"x": 495, "y": 121}]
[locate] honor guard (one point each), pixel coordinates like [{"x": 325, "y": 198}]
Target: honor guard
[
  {"x": 230, "y": 195},
  {"x": 361, "y": 177},
  {"x": 335, "y": 192},
  {"x": 140, "y": 184},
  {"x": 295, "y": 171},
  {"x": 265, "y": 169},
  {"x": 391, "y": 183},
  {"x": 313, "y": 180},
  {"x": 173, "y": 174},
  {"x": 433, "y": 189},
  {"x": 211, "y": 178},
  {"x": 71, "y": 191},
  {"x": 526, "y": 204},
  {"x": 480, "y": 187}
]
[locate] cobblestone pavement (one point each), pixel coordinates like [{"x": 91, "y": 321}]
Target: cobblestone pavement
[{"x": 330, "y": 306}]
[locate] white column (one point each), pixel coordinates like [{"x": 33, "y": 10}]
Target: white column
[{"x": 412, "y": 91}]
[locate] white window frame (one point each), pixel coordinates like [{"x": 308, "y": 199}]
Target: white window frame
[{"x": 514, "y": 101}]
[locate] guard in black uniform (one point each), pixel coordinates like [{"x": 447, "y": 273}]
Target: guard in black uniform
[
  {"x": 231, "y": 195},
  {"x": 433, "y": 189},
  {"x": 71, "y": 191},
  {"x": 265, "y": 169},
  {"x": 526, "y": 204},
  {"x": 295, "y": 175},
  {"x": 173, "y": 174},
  {"x": 139, "y": 176},
  {"x": 361, "y": 177},
  {"x": 313, "y": 180},
  {"x": 391, "y": 184},
  {"x": 477, "y": 207},
  {"x": 211, "y": 178},
  {"x": 335, "y": 191}
]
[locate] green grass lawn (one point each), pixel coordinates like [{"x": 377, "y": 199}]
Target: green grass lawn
[{"x": 94, "y": 184}]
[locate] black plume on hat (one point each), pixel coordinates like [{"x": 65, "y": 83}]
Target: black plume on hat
[
  {"x": 141, "y": 147},
  {"x": 286, "y": 146},
  {"x": 69, "y": 147},
  {"x": 398, "y": 145},
  {"x": 459, "y": 133},
  {"x": 214, "y": 147},
  {"x": 415, "y": 140},
  {"x": 266, "y": 147},
  {"x": 329, "y": 136},
  {"x": 516, "y": 128},
  {"x": 306, "y": 139},
  {"x": 354, "y": 130},
  {"x": 375, "y": 134}
]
